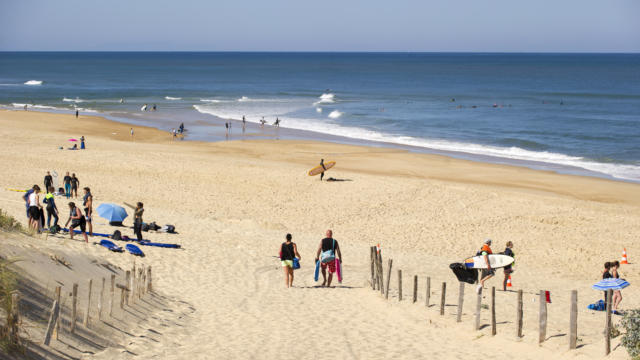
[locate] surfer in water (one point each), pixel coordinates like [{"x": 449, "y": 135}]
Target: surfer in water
[
  {"x": 323, "y": 169},
  {"x": 487, "y": 273}
]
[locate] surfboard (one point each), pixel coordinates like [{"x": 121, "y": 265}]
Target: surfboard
[
  {"x": 317, "y": 272},
  {"x": 338, "y": 270},
  {"x": 17, "y": 190},
  {"x": 75, "y": 231},
  {"x": 319, "y": 170},
  {"x": 134, "y": 250},
  {"x": 496, "y": 261},
  {"x": 148, "y": 243},
  {"x": 110, "y": 245}
]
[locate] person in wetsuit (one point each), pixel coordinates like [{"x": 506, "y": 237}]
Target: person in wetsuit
[{"x": 323, "y": 169}]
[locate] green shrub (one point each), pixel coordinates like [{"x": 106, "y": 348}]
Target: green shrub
[
  {"x": 631, "y": 340},
  {"x": 9, "y": 223},
  {"x": 10, "y": 341}
]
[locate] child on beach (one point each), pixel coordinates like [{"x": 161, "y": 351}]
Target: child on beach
[
  {"x": 507, "y": 269},
  {"x": 617, "y": 294},
  {"x": 288, "y": 250},
  {"x": 137, "y": 222},
  {"x": 76, "y": 219},
  {"x": 52, "y": 209}
]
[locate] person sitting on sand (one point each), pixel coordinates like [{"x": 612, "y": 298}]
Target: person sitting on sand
[
  {"x": 74, "y": 147},
  {"x": 76, "y": 219},
  {"x": 137, "y": 222},
  {"x": 288, "y": 250},
  {"x": 487, "y": 273},
  {"x": 87, "y": 202},
  {"x": 507, "y": 269},
  {"x": 327, "y": 244},
  {"x": 617, "y": 294}
]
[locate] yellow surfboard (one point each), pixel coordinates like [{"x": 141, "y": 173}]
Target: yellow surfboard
[
  {"x": 319, "y": 170},
  {"x": 17, "y": 190}
]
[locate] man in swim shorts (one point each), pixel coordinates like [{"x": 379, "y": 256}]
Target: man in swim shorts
[
  {"x": 487, "y": 273},
  {"x": 328, "y": 244},
  {"x": 87, "y": 202}
]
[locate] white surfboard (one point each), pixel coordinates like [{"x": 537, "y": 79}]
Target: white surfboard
[{"x": 496, "y": 261}]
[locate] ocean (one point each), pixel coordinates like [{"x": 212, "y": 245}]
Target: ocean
[{"x": 570, "y": 113}]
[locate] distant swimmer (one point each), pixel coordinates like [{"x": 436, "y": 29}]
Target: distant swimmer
[
  {"x": 181, "y": 128},
  {"x": 262, "y": 121},
  {"x": 244, "y": 123},
  {"x": 277, "y": 123},
  {"x": 121, "y": 101},
  {"x": 154, "y": 108},
  {"x": 144, "y": 107},
  {"x": 453, "y": 99},
  {"x": 561, "y": 102}
]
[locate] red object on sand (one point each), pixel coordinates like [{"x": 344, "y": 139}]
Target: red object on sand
[
  {"x": 73, "y": 139},
  {"x": 548, "y": 296}
]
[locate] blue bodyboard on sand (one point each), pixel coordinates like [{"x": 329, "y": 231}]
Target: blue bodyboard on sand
[
  {"x": 134, "y": 250},
  {"x": 149, "y": 243},
  {"x": 111, "y": 246},
  {"x": 317, "y": 272}
]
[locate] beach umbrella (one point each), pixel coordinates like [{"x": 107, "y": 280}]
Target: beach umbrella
[
  {"x": 73, "y": 139},
  {"x": 112, "y": 212},
  {"x": 610, "y": 284}
]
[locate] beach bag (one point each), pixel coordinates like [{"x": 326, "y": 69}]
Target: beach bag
[
  {"x": 117, "y": 235},
  {"x": 329, "y": 255},
  {"x": 145, "y": 227},
  {"x": 171, "y": 229},
  {"x": 296, "y": 263},
  {"x": 54, "y": 229},
  {"x": 153, "y": 226},
  {"x": 463, "y": 274}
]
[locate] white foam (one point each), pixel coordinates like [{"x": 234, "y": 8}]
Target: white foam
[
  {"x": 172, "y": 98},
  {"x": 33, "y": 82},
  {"x": 211, "y": 100},
  {"x": 76, "y": 100},
  {"x": 621, "y": 171},
  {"x": 318, "y": 109},
  {"x": 87, "y": 110},
  {"x": 36, "y": 106},
  {"x": 335, "y": 114},
  {"x": 244, "y": 98}
]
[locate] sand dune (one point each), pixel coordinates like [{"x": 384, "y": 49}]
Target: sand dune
[{"x": 233, "y": 202}]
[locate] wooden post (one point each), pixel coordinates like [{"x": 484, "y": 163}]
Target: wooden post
[
  {"x": 460, "y": 301},
  {"x": 573, "y": 320},
  {"x": 74, "y": 308},
  {"x": 123, "y": 296},
  {"x": 113, "y": 285},
  {"x": 141, "y": 282},
  {"x": 100, "y": 299},
  {"x": 14, "y": 329},
  {"x": 542, "y": 327},
  {"x": 127, "y": 280},
  {"x": 399, "y": 285},
  {"x": 149, "y": 286},
  {"x": 86, "y": 314},
  {"x": 56, "y": 330},
  {"x": 386, "y": 294},
  {"x": 53, "y": 319},
  {"x": 478, "y": 311},
  {"x": 493, "y": 311},
  {"x": 381, "y": 284},
  {"x": 428, "y": 293},
  {"x": 607, "y": 326},
  {"x": 442, "y": 297},
  {"x": 415, "y": 288},
  {"x": 371, "y": 255},
  {"x": 519, "y": 315},
  {"x": 131, "y": 286}
]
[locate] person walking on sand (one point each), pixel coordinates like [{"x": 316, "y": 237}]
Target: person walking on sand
[
  {"x": 48, "y": 180},
  {"x": 34, "y": 208},
  {"x": 137, "y": 222},
  {"x": 508, "y": 270},
  {"x": 329, "y": 246},
  {"x": 173, "y": 132},
  {"x": 76, "y": 113},
  {"x": 244, "y": 123},
  {"x": 288, "y": 251},
  {"x": 52, "y": 209},
  {"x": 77, "y": 220},
  {"x": 67, "y": 185},
  {"x": 617, "y": 294},
  {"x": 487, "y": 273},
  {"x": 323, "y": 169},
  {"x": 74, "y": 186},
  {"x": 131, "y": 131},
  {"x": 87, "y": 202}
]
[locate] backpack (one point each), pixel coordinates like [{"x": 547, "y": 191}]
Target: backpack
[
  {"x": 171, "y": 229},
  {"x": 329, "y": 255},
  {"x": 54, "y": 229},
  {"x": 116, "y": 235},
  {"x": 153, "y": 226},
  {"x": 145, "y": 227}
]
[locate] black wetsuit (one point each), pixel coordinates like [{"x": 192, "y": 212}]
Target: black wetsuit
[
  {"x": 48, "y": 181},
  {"x": 323, "y": 168}
]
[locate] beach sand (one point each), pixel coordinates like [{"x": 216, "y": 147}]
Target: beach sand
[{"x": 233, "y": 202}]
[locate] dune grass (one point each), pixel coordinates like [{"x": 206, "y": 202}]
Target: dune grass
[{"x": 10, "y": 224}]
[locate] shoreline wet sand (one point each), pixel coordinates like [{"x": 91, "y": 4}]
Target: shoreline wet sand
[{"x": 233, "y": 202}]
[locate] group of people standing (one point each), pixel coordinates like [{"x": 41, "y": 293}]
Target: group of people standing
[
  {"x": 489, "y": 272},
  {"x": 289, "y": 254}
]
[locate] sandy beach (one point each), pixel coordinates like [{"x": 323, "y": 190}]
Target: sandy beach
[{"x": 233, "y": 202}]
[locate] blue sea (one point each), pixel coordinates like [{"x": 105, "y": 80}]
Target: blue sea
[{"x": 571, "y": 113}]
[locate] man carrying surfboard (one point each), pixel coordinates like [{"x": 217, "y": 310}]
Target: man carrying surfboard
[
  {"x": 487, "y": 273},
  {"x": 326, "y": 255},
  {"x": 323, "y": 169}
]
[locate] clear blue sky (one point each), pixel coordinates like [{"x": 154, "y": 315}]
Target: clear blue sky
[{"x": 325, "y": 25}]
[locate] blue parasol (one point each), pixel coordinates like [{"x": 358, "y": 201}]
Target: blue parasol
[
  {"x": 112, "y": 212},
  {"x": 610, "y": 284}
]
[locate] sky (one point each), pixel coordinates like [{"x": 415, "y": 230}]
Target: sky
[{"x": 324, "y": 25}]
